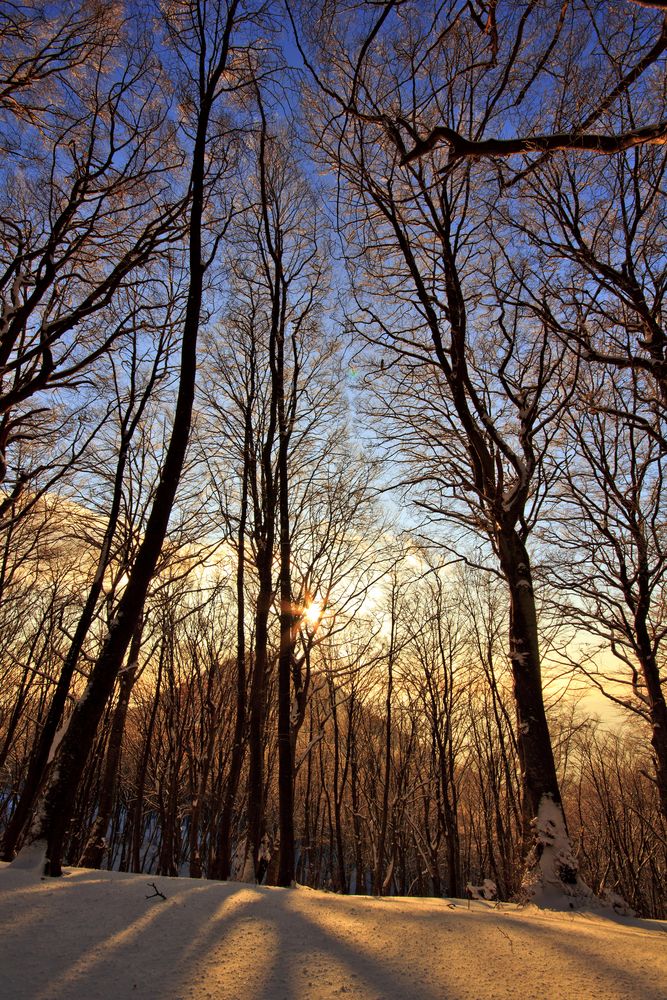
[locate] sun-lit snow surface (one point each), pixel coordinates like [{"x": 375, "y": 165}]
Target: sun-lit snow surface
[{"x": 94, "y": 934}]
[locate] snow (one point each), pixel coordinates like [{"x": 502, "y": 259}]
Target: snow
[
  {"x": 551, "y": 864},
  {"x": 94, "y": 935},
  {"x": 31, "y": 858},
  {"x": 487, "y": 890}
]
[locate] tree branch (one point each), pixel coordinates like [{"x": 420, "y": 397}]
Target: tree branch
[{"x": 459, "y": 147}]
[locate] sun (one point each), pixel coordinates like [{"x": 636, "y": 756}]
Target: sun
[{"x": 313, "y": 612}]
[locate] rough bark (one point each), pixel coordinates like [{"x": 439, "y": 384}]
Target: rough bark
[
  {"x": 256, "y": 710},
  {"x": 533, "y": 739}
]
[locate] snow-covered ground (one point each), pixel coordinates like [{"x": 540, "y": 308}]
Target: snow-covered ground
[{"x": 95, "y": 934}]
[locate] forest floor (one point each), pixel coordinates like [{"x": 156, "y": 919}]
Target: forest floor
[{"x": 94, "y": 935}]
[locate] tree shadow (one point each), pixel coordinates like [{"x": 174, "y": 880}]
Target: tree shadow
[{"x": 241, "y": 942}]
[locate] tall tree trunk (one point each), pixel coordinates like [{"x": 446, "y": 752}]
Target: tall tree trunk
[
  {"x": 544, "y": 829},
  {"x": 256, "y": 708},
  {"x": 451, "y": 826},
  {"x": 286, "y": 870}
]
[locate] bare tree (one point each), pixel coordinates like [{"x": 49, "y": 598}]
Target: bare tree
[
  {"x": 609, "y": 528},
  {"x": 472, "y": 389},
  {"x": 598, "y": 234},
  {"x": 204, "y": 46},
  {"x": 133, "y": 389},
  {"x": 621, "y": 840},
  {"x": 534, "y": 60},
  {"x": 91, "y": 207},
  {"x": 432, "y": 674}
]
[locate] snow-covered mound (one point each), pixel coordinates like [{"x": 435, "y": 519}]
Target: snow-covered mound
[{"x": 96, "y": 934}]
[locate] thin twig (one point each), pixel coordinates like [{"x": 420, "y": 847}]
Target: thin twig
[{"x": 157, "y": 892}]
